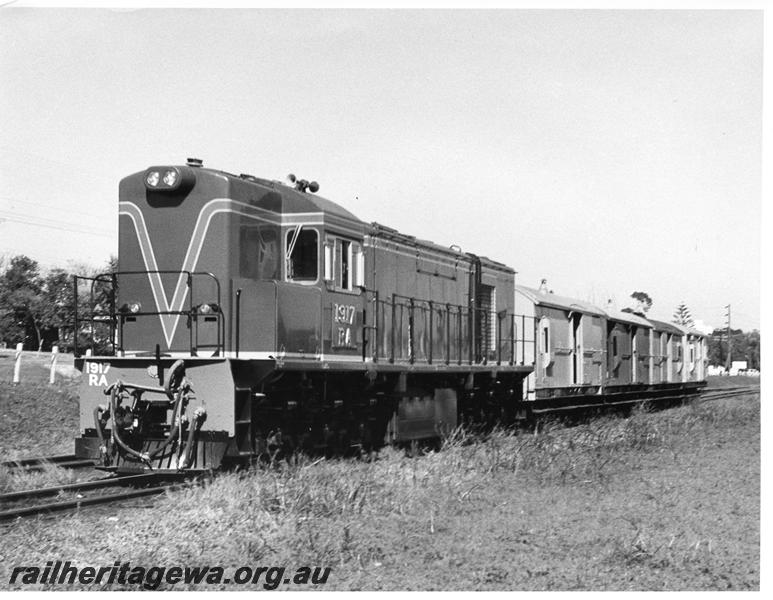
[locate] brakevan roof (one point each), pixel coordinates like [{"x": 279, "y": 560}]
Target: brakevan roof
[
  {"x": 562, "y": 302},
  {"x": 626, "y": 317},
  {"x": 667, "y": 327},
  {"x": 689, "y": 330}
]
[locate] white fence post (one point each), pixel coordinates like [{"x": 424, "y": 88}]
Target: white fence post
[
  {"x": 54, "y": 356},
  {"x": 17, "y": 364}
]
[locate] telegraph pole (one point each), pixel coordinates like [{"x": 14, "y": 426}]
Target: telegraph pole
[{"x": 729, "y": 361}]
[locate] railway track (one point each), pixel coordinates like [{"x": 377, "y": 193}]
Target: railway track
[
  {"x": 64, "y": 461},
  {"x": 728, "y": 392},
  {"x": 20, "y": 500},
  {"x": 25, "y": 503}
]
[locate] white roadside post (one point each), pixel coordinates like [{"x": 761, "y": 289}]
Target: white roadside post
[
  {"x": 54, "y": 356},
  {"x": 17, "y": 364}
]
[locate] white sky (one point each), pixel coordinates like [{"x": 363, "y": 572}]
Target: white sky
[{"x": 608, "y": 151}]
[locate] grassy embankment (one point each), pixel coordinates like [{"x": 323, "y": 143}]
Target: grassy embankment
[
  {"x": 37, "y": 419},
  {"x": 666, "y": 500}
]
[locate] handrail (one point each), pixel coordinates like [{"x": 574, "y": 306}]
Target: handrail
[
  {"x": 417, "y": 330},
  {"x": 237, "y": 318},
  {"x": 116, "y": 318}
]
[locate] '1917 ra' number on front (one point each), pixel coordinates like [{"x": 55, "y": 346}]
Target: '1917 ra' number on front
[{"x": 343, "y": 320}]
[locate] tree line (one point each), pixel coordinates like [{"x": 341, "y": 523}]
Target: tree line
[
  {"x": 724, "y": 348},
  {"x": 37, "y": 306},
  {"x": 741, "y": 345}
]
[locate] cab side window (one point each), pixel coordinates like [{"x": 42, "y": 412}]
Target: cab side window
[
  {"x": 258, "y": 252},
  {"x": 344, "y": 263},
  {"x": 301, "y": 253}
]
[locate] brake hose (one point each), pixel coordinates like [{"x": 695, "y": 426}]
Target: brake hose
[
  {"x": 114, "y": 430},
  {"x": 176, "y": 415},
  {"x": 197, "y": 420}
]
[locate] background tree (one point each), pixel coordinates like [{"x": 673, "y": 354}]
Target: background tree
[
  {"x": 21, "y": 305},
  {"x": 642, "y": 303},
  {"x": 59, "y": 307},
  {"x": 643, "y": 300},
  {"x": 38, "y": 309},
  {"x": 682, "y": 316},
  {"x": 746, "y": 346}
]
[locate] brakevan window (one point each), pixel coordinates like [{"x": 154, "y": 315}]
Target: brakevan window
[
  {"x": 301, "y": 253},
  {"x": 545, "y": 335}
]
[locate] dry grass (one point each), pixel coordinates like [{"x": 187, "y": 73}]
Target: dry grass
[
  {"x": 666, "y": 500},
  {"x": 37, "y": 420}
]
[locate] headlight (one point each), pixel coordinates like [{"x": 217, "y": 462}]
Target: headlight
[
  {"x": 170, "y": 178},
  {"x": 131, "y": 307},
  {"x": 208, "y": 309},
  {"x": 166, "y": 178}
]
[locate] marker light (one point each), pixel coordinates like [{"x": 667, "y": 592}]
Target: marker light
[
  {"x": 152, "y": 178},
  {"x": 170, "y": 178}
]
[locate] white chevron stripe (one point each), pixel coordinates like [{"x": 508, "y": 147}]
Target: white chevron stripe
[{"x": 208, "y": 211}]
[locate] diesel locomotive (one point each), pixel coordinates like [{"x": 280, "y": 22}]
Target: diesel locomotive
[
  {"x": 253, "y": 318},
  {"x": 249, "y": 317}
]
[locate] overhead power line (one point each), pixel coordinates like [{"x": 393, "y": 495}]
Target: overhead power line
[
  {"x": 62, "y": 226},
  {"x": 107, "y": 210}
]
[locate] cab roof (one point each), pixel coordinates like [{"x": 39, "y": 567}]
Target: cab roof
[{"x": 293, "y": 201}]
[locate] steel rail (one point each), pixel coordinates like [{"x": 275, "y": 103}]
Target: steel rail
[
  {"x": 78, "y": 503},
  {"x": 65, "y": 461},
  {"x": 736, "y": 388},
  {"x": 616, "y": 403},
  {"x": 81, "y": 486},
  {"x": 700, "y": 396},
  {"x": 720, "y": 394},
  {"x": 76, "y": 464},
  {"x": 25, "y": 462}
]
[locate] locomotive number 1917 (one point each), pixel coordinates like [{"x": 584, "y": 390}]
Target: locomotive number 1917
[{"x": 343, "y": 323}]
